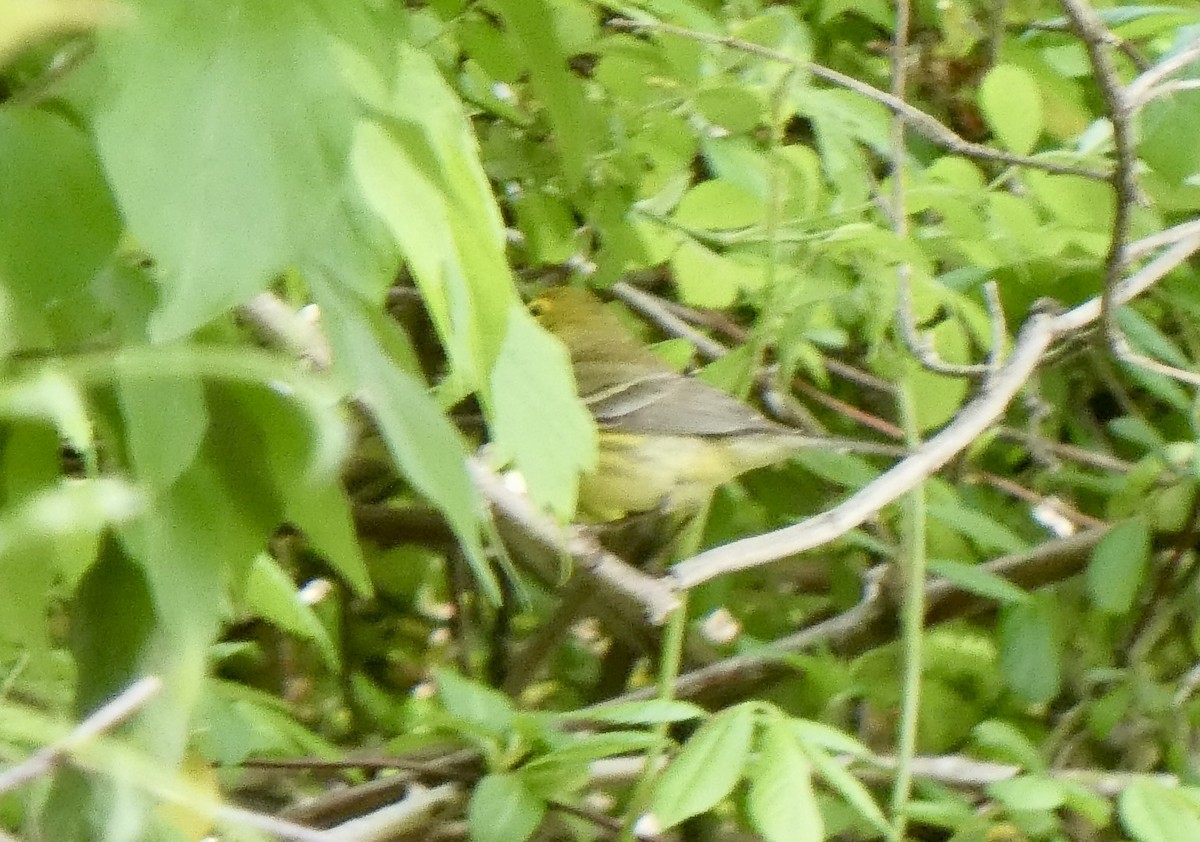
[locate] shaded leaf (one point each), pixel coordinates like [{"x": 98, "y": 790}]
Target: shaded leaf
[{"x": 1118, "y": 566}]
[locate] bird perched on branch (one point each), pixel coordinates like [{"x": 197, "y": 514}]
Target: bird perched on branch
[{"x": 666, "y": 440}]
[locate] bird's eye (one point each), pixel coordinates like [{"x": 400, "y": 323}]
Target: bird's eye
[{"x": 539, "y": 307}]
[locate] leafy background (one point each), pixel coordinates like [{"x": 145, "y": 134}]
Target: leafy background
[{"x": 262, "y": 267}]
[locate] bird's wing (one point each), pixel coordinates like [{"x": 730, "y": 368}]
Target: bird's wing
[{"x": 632, "y": 399}]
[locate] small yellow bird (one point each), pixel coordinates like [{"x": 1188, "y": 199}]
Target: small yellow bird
[{"x": 666, "y": 440}]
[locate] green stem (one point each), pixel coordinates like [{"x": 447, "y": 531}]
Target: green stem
[
  {"x": 912, "y": 620},
  {"x": 668, "y": 672}
]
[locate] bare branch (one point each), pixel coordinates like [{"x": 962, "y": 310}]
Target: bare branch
[
  {"x": 873, "y": 621},
  {"x": 1146, "y": 86},
  {"x": 614, "y": 580},
  {"x": 956, "y": 770},
  {"x": 107, "y": 717},
  {"x": 1137, "y": 283},
  {"x": 1035, "y": 337},
  {"x": 407, "y": 815}
]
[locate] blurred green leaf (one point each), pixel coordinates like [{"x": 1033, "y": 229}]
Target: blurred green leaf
[
  {"x": 842, "y": 781},
  {"x": 540, "y": 422},
  {"x": 475, "y": 703},
  {"x": 780, "y": 800},
  {"x": 577, "y": 131},
  {"x": 706, "y": 769},
  {"x": 650, "y": 712},
  {"x": 1118, "y": 566},
  {"x": 270, "y": 593},
  {"x": 1030, "y": 650},
  {"x": 1029, "y": 792},
  {"x": 58, "y": 221},
  {"x": 502, "y": 810},
  {"x": 424, "y": 444},
  {"x": 977, "y": 580},
  {"x": 262, "y": 176},
  {"x": 1012, "y": 106},
  {"x": 1150, "y": 812}
]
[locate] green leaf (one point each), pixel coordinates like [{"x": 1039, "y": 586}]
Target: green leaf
[
  {"x": 539, "y": 419},
  {"x": 1029, "y": 792},
  {"x": 822, "y": 736},
  {"x": 575, "y": 121},
  {"x": 165, "y": 419},
  {"x": 583, "y": 748},
  {"x": 57, "y": 531},
  {"x": 49, "y": 395},
  {"x": 732, "y": 107},
  {"x": 259, "y": 179},
  {"x": 708, "y": 279},
  {"x": 110, "y": 650},
  {"x": 424, "y": 444},
  {"x": 838, "y": 778},
  {"x": 1080, "y": 799},
  {"x": 706, "y": 768},
  {"x": 1012, "y": 106},
  {"x": 978, "y": 580},
  {"x": 1077, "y": 202},
  {"x": 719, "y": 205},
  {"x": 502, "y": 810},
  {"x": 1006, "y": 743},
  {"x": 1118, "y": 566},
  {"x": 651, "y": 712},
  {"x": 270, "y": 593},
  {"x": 1030, "y": 651},
  {"x": 419, "y": 171},
  {"x": 938, "y": 398},
  {"x": 1145, "y": 336},
  {"x": 780, "y": 801},
  {"x": 58, "y": 224},
  {"x": 845, "y": 470},
  {"x": 1150, "y": 812},
  {"x": 475, "y": 703},
  {"x": 321, "y": 511},
  {"x": 982, "y": 530}
]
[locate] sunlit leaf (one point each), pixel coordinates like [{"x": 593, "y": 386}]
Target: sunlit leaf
[{"x": 706, "y": 768}]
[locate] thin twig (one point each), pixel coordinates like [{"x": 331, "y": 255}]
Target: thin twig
[
  {"x": 872, "y": 621},
  {"x": 657, "y": 311},
  {"x": 928, "y": 126},
  {"x": 1146, "y": 86},
  {"x": 279, "y": 828},
  {"x": 1095, "y": 36},
  {"x": 956, "y": 770},
  {"x": 1124, "y": 183},
  {"x": 1035, "y": 337},
  {"x": 1167, "y": 237},
  {"x": 1101, "y": 461},
  {"x": 107, "y": 717},
  {"x": 407, "y": 815},
  {"x": 654, "y": 598},
  {"x": 999, "y": 329}
]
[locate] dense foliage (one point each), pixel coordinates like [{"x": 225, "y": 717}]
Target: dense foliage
[{"x": 269, "y": 384}]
